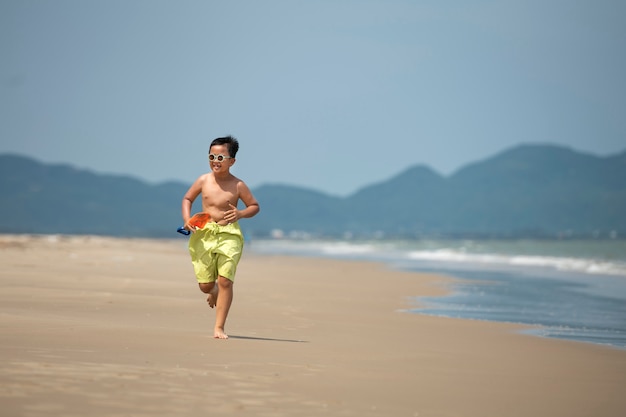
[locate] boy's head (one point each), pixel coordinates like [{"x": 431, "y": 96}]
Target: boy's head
[{"x": 230, "y": 142}]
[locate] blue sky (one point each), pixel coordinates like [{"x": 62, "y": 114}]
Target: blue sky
[{"x": 330, "y": 95}]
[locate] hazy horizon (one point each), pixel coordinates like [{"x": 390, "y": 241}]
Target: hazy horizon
[{"x": 286, "y": 182}]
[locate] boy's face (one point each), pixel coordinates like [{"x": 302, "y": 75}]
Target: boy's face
[{"x": 220, "y": 152}]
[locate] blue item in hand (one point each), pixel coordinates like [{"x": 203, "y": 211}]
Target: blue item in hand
[{"x": 183, "y": 231}]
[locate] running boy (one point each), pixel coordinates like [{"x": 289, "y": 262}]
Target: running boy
[{"x": 216, "y": 247}]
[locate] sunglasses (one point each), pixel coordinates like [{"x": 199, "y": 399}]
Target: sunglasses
[{"x": 218, "y": 158}]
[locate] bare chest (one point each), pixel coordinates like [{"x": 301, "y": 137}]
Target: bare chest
[{"x": 219, "y": 195}]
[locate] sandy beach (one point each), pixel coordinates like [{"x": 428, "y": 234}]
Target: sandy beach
[{"x": 117, "y": 327}]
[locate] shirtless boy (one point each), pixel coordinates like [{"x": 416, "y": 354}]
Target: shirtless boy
[{"x": 216, "y": 248}]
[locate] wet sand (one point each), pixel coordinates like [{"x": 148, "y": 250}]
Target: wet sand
[{"x": 117, "y": 327}]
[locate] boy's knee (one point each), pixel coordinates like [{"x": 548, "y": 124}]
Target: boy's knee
[
  {"x": 206, "y": 287},
  {"x": 224, "y": 282}
]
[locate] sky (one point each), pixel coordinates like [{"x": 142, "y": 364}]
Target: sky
[{"x": 327, "y": 95}]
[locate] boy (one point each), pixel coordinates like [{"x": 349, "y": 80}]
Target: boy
[{"x": 216, "y": 247}]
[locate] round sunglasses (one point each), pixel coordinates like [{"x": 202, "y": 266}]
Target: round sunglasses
[{"x": 218, "y": 158}]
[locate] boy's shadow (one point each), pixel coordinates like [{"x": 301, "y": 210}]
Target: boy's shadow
[{"x": 268, "y": 339}]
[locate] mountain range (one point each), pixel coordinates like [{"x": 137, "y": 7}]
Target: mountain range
[{"x": 528, "y": 190}]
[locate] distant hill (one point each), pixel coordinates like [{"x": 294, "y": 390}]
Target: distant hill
[
  {"x": 530, "y": 190},
  {"x": 40, "y": 198}
]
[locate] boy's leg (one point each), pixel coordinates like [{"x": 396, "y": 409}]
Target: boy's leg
[
  {"x": 211, "y": 289},
  {"x": 223, "y": 306}
]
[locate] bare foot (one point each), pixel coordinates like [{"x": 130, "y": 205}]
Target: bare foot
[
  {"x": 212, "y": 298},
  {"x": 219, "y": 333}
]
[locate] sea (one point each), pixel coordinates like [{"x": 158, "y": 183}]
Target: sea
[{"x": 567, "y": 289}]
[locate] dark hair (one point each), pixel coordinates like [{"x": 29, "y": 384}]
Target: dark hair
[{"x": 233, "y": 144}]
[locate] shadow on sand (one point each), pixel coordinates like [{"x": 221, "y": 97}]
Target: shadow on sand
[{"x": 268, "y": 339}]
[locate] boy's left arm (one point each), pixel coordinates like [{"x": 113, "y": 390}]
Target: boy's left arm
[{"x": 252, "y": 205}]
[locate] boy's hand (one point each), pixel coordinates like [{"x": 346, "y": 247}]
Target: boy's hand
[
  {"x": 232, "y": 215},
  {"x": 189, "y": 227}
]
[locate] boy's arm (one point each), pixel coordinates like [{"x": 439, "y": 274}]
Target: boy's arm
[
  {"x": 188, "y": 199},
  {"x": 252, "y": 206}
]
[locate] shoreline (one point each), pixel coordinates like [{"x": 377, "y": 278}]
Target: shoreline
[
  {"x": 488, "y": 281},
  {"x": 118, "y": 326}
]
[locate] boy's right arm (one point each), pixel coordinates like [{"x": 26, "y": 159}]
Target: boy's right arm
[{"x": 188, "y": 199}]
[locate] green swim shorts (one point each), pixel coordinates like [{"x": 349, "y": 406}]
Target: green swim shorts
[{"x": 216, "y": 250}]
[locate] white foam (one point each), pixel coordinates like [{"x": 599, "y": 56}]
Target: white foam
[
  {"x": 584, "y": 265},
  {"x": 337, "y": 248},
  {"x": 346, "y": 249},
  {"x": 465, "y": 255}
]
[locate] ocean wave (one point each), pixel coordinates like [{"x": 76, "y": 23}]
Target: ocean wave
[
  {"x": 584, "y": 265},
  {"x": 332, "y": 249},
  {"x": 462, "y": 254}
]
